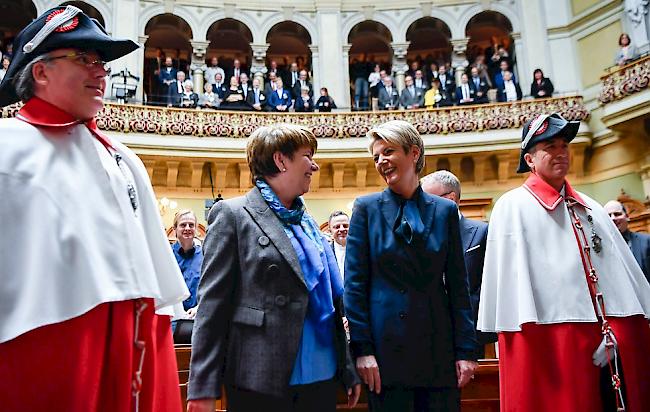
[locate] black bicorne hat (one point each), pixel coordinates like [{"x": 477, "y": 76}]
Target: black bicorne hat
[
  {"x": 58, "y": 28},
  {"x": 544, "y": 127}
]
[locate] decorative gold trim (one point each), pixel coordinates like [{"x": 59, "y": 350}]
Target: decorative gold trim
[{"x": 624, "y": 81}]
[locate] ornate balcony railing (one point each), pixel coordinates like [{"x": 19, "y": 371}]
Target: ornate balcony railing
[
  {"x": 207, "y": 123},
  {"x": 624, "y": 81}
]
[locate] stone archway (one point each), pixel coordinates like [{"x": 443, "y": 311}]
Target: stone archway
[
  {"x": 289, "y": 43},
  {"x": 15, "y": 15},
  {"x": 229, "y": 40},
  {"x": 429, "y": 42},
  {"x": 168, "y": 35},
  {"x": 487, "y": 31}
]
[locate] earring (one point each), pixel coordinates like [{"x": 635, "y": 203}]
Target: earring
[{"x": 284, "y": 170}]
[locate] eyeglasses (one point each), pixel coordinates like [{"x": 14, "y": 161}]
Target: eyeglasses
[{"x": 85, "y": 59}]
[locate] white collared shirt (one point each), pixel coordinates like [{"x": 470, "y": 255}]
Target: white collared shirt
[
  {"x": 510, "y": 90},
  {"x": 339, "y": 252}
]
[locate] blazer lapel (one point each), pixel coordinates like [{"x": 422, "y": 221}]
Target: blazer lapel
[
  {"x": 428, "y": 210},
  {"x": 270, "y": 224},
  {"x": 467, "y": 232},
  {"x": 389, "y": 208}
]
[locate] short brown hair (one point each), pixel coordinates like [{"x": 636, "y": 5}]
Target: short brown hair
[
  {"x": 265, "y": 141},
  {"x": 401, "y": 133}
]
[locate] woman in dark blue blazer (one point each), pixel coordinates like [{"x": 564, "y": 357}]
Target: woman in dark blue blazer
[{"x": 406, "y": 290}]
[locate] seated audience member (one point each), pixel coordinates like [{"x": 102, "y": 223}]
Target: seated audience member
[
  {"x": 420, "y": 82},
  {"x": 280, "y": 99},
  {"x": 339, "y": 224},
  {"x": 465, "y": 94},
  {"x": 303, "y": 102},
  {"x": 411, "y": 97},
  {"x": 447, "y": 82},
  {"x": 510, "y": 91},
  {"x": 302, "y": 82},
  {"x": 245, "y": 85},
  {"x": 627, "y": 51},
  {"x": 436, "y": 96},
  {"x": 234, "y": 96},
  {"x": 218, "y": 87},
  {"x": 479, "y": 85},
  {"x": 188, "y": 255},
  {"x": 209, "y": 99},
  {"x": 256, "y": 97},
  {"x": 212, "y": 70},
  {"x": 639, "y": 243},
  {"x": 541, "y": 87},
  {"x": 388, "y": 95},
  {"x": 175, "y": 90},
  {"x": 189, "y": 99},
  {"x": 374, "y": 79},
  {"x": 325, "y": 102},
  {"x": 504, "y": 67},
  {"x": 5, "y": 65}
]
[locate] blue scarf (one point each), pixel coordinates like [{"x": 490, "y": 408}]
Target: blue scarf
[{"x": 317, "y": 261}]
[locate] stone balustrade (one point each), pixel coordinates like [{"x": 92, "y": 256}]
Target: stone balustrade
[{"x": 625, "y": 81}]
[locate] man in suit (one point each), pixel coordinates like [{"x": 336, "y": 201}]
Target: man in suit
[
  {"x": 639, "y": 243},
  {"x": 480, "y": 87},
  {"x": 212, "y": 70},
  {"x": 302, "y": 82},
  {"x": 447, "y": 82},
  {"x": 256, "y": 97},
  {"x": 504, "y": 67},
  {"x": 280, "y": 99},
  {"x": 388, "y": 95},
  {"x": 473, "y": 235},
  {"x": 419, "y": 81},
  {"x": 291, "y": 77},
  {"x": 218, "y": 87},
  {"x": 464, "y": 93},
  {"x": 245, "y": 85},
  {"x": 510, "y": 91},
  {"x": 175, "y": 91},
  {"x": 412, "y": 97},
  {"x": 236, "y": 70},
  {"x": 167, "y": 76},
  {"x": 339, "y": 223}
]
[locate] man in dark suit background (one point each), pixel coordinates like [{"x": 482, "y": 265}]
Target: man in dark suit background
[
  {"x": 479, "y": 85},
  {"x": 280, "y": 98},
  {"x": 388, "y": 95},
  {"x": 510, "y": 90},
  {"x": 447, "y": 81},
  {"x": 175, "y": 90},
  {"x": 218, "y": 87},
  {"x": 167, "y": 76},
  {"x": 302, "y": 82},
  {"x": 465, "y": 94},
  {"x": 412, "y": 97},
  {"x": 473, "y": 235},
  {"x": 256, "y": 98},
  {"x": 639, "y": 243},
  {"x": 339, "y": 224}
]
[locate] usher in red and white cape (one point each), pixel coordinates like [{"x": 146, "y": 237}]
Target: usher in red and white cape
[{"x": 535, "y": 294}]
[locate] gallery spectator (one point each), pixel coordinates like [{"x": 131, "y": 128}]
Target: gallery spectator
[
  {"x": 303, "y": 102},
  {"x": 212, "y": 70},
  {"x": 500, "y": 55},
  {"x": 236, "y": 71},
  {"x": 432, "y": 73},
  {"x": 325, "y": 102},
  {"x": 465, "y": 94},
  {"x": 291, "y": 77},
  {"x": 541, "y": 87},
  {"x": 271, "y": 85},
  {"x": 436, "y": 96},
  {"x": 415, "y": 66},
  {"x": 419, "y": 81},
  {"x": 189, "y": 99},
  {"x": 479, "y": 85},
  {"x": 627, "y": 52},
  {"x": 483, "y": 72},
  {"x": 411, "y": 97},
  {"x": 219, "y": 88},
  {"x": 256, "y": 98},
  {"x": 234, "y": 97},
  {"x": 504, "y": 66},
  {"x": 175, "y": 90},
  {"x": 5, "y": 65},
  {"x": 209, "y": 99},
  {"x": 388, "y": 95},
  {"x": 302, "y": 82},
  {"x": 639, "y": 243},
  {"x": 359, "y": 72},
  {"x": 280, "y": 98},
  {"x": 245, "y": 85},
  {"x": 374, "y": 79},
  {"x": 510, "y": 91},
  {"x": 167, "y": 76},
  {"x": 447, "y": 82}
]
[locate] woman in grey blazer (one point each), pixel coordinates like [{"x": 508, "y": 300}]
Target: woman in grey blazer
[{"x": 269, "y": 324}]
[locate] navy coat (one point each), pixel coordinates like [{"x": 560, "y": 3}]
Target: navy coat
[
  {"x": 473, "y": 234},
  {"x": 640, "y": 245},
  {"x": 408, "y": 305},
  {"x": 274, "y": 100}
]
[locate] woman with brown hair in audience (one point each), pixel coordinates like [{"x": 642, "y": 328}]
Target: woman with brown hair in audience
[{"x": 541, "y": 87}]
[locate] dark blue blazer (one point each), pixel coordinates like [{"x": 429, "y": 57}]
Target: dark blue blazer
[
  {"x": 275, "y": 100},
  {"x": 640, "y": 245},
  {"x": 473, "y": 234},
  {"x": 165, "y": 75},
  {"x": 408, "y": 305}
]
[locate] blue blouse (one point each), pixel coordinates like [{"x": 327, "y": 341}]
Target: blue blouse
[{"x": 190, "y": 264}]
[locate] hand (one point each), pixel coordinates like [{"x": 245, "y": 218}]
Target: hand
[
  {"x": 465, "y": 371},
  {"x": 191, "y": 312},
  {"x": 201, "y": 405},
  {"x": 541, "y": 93},
  {"x": 353, "y": 395},
  {"x": 601, "y": 356},
  {"x": 368, "y": 370}
]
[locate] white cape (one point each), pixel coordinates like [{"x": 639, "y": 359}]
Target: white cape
[
  {"x": 533, "y": 271},
  {"x": 71, "y": 239}
]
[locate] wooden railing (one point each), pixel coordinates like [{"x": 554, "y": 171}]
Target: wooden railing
[
  {"x": 624, "y": 81},
  {"x": 481, "y": 394},
  {"x": 209, "y": 123}
]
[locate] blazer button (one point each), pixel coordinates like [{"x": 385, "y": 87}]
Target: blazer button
[
  {"x": 280, "y": 300},
  {"x": 402, "y": 315},
  {"x": 263, "y": 241},
  {"x": 402, "y": 291}
]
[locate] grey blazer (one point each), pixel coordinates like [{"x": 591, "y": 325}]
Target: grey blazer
[{"x": 252, "y": 305}]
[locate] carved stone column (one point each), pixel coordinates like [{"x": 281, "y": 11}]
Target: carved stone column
[
  {"x": 458, "y": 57},
  {"x": 400, "y": 66},
  {"x": 139, "y": 94},
  {"x": 315, "y": 68},
  {"x": 636, "y": 16},
  {"x": 520, "y": 53},
  {"x": 258, "y": 68},
  {"x": 198, "y": 65},
  {"x": 347, "y": 102}
]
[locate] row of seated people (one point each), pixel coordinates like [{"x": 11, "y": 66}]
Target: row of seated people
[{"x": 248, "y": 96}]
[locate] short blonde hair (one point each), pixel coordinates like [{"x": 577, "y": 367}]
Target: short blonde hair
[
  {"x": 267, "y": 140},
  {"x": 181, "y": 213},
  {"x": 400, "y": 133}
]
